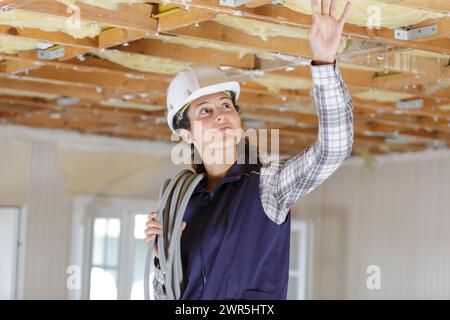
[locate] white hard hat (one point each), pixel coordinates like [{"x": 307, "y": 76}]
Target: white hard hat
[{"x": 193, "y": 82}]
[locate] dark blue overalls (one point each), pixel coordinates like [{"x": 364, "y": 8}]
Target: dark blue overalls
[{"x": 230, "y": 249}]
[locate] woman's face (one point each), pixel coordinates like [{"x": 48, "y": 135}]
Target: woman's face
[{"x": 215, "y": 123}]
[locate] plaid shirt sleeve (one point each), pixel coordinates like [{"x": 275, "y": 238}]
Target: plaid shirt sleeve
[{"x": 284, "y": 182}]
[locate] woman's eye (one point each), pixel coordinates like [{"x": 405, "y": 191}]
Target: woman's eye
[
  {"x": 204, "y": 110},
  {"x": 226, "y": 105}
]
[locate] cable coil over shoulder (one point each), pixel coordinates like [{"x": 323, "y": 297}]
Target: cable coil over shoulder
[{"x": 173, "y": 199}]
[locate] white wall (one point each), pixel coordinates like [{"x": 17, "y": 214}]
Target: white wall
[
  {"x": 47, "y": 248},
  {"x": 395, "y": 215}
]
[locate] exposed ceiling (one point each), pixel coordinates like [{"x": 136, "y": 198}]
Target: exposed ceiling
[{"x": 117, "y": 59}]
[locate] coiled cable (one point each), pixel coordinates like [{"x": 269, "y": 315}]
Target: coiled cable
[{"x": 173, "y": 200}]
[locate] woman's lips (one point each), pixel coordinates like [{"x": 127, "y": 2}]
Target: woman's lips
[{"x": 224, "y": 128}]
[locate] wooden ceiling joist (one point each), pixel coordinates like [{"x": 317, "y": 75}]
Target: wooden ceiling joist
[
  {"x": 112, "y": 96},
  {"x": 281, "y": 15},
  {"x": 136, "y": 16}
]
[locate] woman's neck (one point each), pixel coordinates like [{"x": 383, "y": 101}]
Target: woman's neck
[{"x": 216, "y": 172}]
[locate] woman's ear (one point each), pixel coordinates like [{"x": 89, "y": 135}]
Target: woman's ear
[{"x": 187, "y": 136}]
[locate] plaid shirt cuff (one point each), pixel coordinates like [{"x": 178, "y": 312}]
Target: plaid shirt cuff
[{"x": 327, "y": 74}]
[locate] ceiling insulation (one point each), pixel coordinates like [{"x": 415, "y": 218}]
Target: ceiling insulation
[
  {"x": 372, "y": 12},
  {"x": 431, "y": 88},
  {"x": 266, "y": 30},
  {"x": 198, "y": 43},
  {"x": 405, "y": 60},
  {"x": 359, "y": 67},
  {"x": 131, "y": 105},
  {"x": 13, "y": 45},
  {"x": 410, "y": 61},
  {"x": 274, "y": 83},
  {"x": 239, "y": 50},
  {"x": 26, "y": 19},
  {"x": 382, "y": 95},
  {"x": 263, "y": 30},
  {"x": 428, "y": 54},
  {"x": 27, "y": 93},
  {"x": 107, "y": 4},
  {"x": 142, "y": 62}
]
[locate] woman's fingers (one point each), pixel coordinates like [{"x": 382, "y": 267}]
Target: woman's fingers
[
  {"x": 183, "y": 225},
  {"x": 151, "y": 219},
  {"x": 153, "y": 223},
  {"x": 150, "y": 235},
  {"x": 152, "y": 230},
  {"x": 333, "y": 8},
  {"x": 325, "y": 7},
  {"x": 153, "y": 227},
  {"x": 152, "y": 215},
  {"x": 345, "y": 14},
  {"x": 314, "y": 7}
]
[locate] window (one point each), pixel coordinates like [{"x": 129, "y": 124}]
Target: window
[
  {"x": 108, "y": 244},
  {"x": 300, "y": 260},
  {"x": 11, "y": 252},
  {"x": 105, "y": 253}
]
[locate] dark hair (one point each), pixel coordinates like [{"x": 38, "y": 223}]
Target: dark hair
[{"x": 183, "y": 122}]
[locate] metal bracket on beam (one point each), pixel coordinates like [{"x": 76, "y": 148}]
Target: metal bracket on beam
[
  {"x": 410, "y": 104},
  {"x": 417, "y": 33},
  {"x": 232, "y": 3},
  {"x": 8, "y": 5},
  {"x": 51, "y": 53}
]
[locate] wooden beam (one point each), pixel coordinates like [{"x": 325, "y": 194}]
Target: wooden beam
[
  {"x": 361, "y": 125},
  {"x": 117, "y": 36},
  {"x": 391, "y": 81},
  {"x": 184, "y": 18},
  {"x": 257, "y": 3},
  {"x": 136, "y": 16},
  {"x": 15, "y": 4},
  {"x": 165, "y": 50},
  {"x": 413, "y": 121},
  {"x": 215, "y": 57},
  {"x": 102, "y": 111},
  {"x": 119, "y": 83},
  {"x": 16, "y": 66},
  {"x": 113, "y": 122},
  {"x": 413, "y": 126},
  {"x": 110, "y": 79},
  {"x": 60, "y": 38},
  {"x": 107, "y": 38},
  {"x": 213, "y": 31},
  {"x": 84, "y": 92},
  {"x": 91, "y": 64},
  {"x": 281, "y": 15}
]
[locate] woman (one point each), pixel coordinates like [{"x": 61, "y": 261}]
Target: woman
[{"x": 235, "y": 243}]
